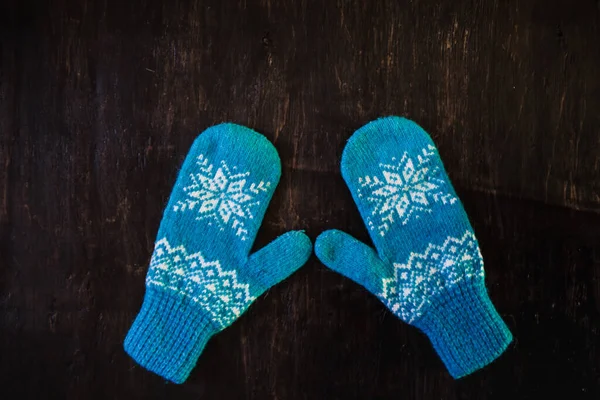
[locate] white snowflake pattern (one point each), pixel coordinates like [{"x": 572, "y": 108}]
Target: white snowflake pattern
[
  {"x": 406, "y": 190},
  {"x": 205, "y": 282},
  {"x": 222, "y": 195},
  {"x": 424, "y": 275}
]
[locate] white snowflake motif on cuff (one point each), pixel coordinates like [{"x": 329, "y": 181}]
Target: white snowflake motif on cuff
[
  {"x": 407, "y": 189},
  {"x": 213, "y": 288},
  {"x": 221, "y": 195},
  {"x": 425, "y": 275}
]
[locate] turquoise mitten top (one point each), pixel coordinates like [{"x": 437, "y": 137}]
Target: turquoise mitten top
[
  {"x": 427, "y": 268},
  {"x": 202, "y": 275}
]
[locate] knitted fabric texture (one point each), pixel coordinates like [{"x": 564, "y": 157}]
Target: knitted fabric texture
[
  {"x": 201, "y": 276},
  {"x": 427, "y": 269}
]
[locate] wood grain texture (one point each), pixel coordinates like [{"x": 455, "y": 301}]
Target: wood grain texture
[{"x": 100, "y": 101}]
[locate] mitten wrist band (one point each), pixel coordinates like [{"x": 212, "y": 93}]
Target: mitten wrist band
[
  {"x": 465, "y": 328},
  {"x": 169, "y": 334}
]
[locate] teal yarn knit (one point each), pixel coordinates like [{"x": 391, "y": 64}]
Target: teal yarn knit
[
  {"x": 427, "y": 268},
  {"x": 201, "y": 276}
]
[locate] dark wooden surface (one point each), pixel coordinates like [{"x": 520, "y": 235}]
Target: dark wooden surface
[{"x": 100, "y": 101}]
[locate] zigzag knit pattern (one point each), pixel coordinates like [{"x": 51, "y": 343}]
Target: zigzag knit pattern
[
  {"x": 215, "y": 290},
  {"x": 427, "y": 269},
  {"x": 201, "y": 276},
  {"x": 424, "y": 275}
]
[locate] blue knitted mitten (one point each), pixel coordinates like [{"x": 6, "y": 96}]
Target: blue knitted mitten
[
  {"x": 201, "y": 276},
  {"x": 427, "y": 268}
]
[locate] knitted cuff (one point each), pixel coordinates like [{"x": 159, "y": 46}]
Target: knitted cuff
[
  {"x": 168, "y": 335},
  {"x": 465, "y": 328}
]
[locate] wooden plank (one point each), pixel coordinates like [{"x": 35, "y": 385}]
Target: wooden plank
[{"x": 100, "y": 101}]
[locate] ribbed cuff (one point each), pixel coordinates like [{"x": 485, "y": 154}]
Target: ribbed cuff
[
  {"x": 465, "y": 328},
  {"x": 168, "y": 334}
]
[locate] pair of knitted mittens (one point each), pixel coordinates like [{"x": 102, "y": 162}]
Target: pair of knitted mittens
[{"x": 427, "y": 268}]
